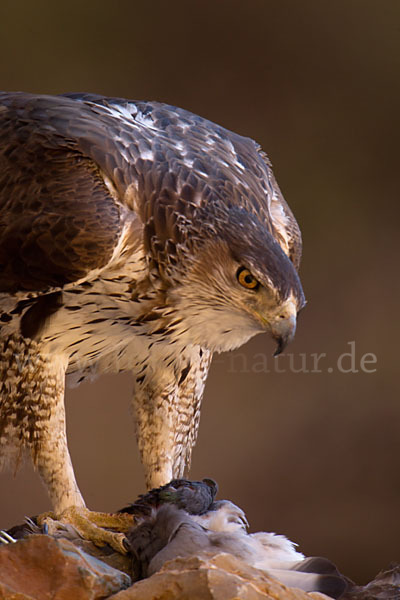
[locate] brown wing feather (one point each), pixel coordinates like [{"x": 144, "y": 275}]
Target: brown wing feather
[
  {"x": 161, "y": 149},
  {"x": 286, "y": 230},
  {"x": 60, "y": 148},
  {"x": 58, "y": 221}
]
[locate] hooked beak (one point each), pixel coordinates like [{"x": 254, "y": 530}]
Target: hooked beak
[
  {"x": 283, "y": 330},
  {"x": 282, "y": 325}
]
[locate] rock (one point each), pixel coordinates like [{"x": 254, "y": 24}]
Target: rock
[
  {"x": 106, "y": 554},
  {"x": 221, "y": 577},
  {"x": 40, "y": 567},
  {"x": 385, "y": 586}
]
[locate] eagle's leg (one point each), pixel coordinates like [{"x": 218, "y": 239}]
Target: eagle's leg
[
  {"x": 32, "y": 415},
  {"x": 166, "y": 430}
]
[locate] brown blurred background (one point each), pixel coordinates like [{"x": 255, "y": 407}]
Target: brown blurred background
[{"x": 315, "y": 456}]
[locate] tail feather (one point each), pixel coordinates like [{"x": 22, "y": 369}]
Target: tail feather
[
  {"x": 331, "y": 585},
  {"x": 317, "y": 564}
]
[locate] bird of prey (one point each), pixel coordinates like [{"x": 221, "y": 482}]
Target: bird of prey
[
  {"x": 133, "y": 236},
  {"x": 170, "y": 532}
]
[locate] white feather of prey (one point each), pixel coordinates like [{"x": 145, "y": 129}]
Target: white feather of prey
[{"x": 267, "y": 550}]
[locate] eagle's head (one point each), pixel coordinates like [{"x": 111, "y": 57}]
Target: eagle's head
[{"x": 237, "y": 282}]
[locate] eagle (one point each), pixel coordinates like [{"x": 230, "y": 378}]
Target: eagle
[{"x": 134, "y": 236}]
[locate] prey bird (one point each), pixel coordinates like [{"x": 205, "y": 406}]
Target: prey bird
[
  {"x": 133, "y": 236},
  {"x": 168, "y": 532}
]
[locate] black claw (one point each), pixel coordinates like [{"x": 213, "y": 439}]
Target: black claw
[
  {"x": 280, "y": 346},
  {"x": 126, "y": 544}
]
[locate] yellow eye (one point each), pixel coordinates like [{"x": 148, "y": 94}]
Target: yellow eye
[{"x": 246, "y": 279}]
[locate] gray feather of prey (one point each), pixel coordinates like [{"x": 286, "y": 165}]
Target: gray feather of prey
[{"x": 170, "y": 532}]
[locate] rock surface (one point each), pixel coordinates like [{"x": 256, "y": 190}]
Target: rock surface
[
  {"x": 222, "y": 577},
  {"x": 385, "y": 586},
  {"x": 40, "y": 567}
]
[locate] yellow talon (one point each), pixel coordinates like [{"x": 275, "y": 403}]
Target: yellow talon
[{"x": 93, "y": 526}]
